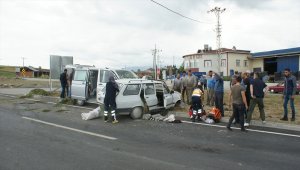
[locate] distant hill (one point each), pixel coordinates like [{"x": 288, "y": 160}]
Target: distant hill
[{"x": 135, "y": 68}]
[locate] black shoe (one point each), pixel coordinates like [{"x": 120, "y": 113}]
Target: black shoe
[
  {"x": 293, "y": 119},
  {"x": 284, "y": 119},
  {"x": 229, "y": 128},
  {"x": 105, "y": 118},
  {"x": 244, "y": 130}
]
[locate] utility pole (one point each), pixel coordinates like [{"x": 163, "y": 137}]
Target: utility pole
[
  {"x": 218, "y": 11},
  {"x": 23, "y": 58},
  {"x": 155, "y": 57},
  {"x": 173, "y": 61},
  {"x": 23, "y": 69}
]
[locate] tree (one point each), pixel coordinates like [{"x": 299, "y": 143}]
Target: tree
[{"x": 181, "y": 69}]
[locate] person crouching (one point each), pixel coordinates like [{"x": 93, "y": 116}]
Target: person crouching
[{"x": 197, "y": 102}]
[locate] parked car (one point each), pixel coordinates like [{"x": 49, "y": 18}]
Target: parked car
[
  {"x": 280, "y": 87},
  {"x": 88, "y": 81},
  {"x": 136, "y": 96}
]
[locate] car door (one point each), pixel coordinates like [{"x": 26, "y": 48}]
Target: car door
[
  {"x": 79, "y": 84},
  {"x": 150, "y": 95},
  {"x": 168, "y": 97},
  {"x": 130, "y": 97},
  {"x": 103, "y": 78}
]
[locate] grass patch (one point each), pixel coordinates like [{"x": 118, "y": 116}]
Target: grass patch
[
  {"x": 40, "y": 92},
  {"x": 7, "y": 72},
  {"x": 68, "y": 101},
  {"x": 26, "y": 96},
  {"x": 46, "y": 110},
  {"x": 273, "y": 108},
  {"x": 61, "y": 110}
]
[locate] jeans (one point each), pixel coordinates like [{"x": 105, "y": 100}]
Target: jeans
[
  {"x": 63, "y": 91},
  {"x": 260, "y": 103},
  {"x": 238, "y": 110},
  {"x": 219, "y": 101},
  {"x": 286, "y": 100}
]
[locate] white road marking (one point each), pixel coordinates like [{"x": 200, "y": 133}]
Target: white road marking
[
  {"x": 33, "y": 100},
  {"x": 252, "y": 130},
  {"x": 8, "y": 96},
  {"x": 68, "y": 128}
]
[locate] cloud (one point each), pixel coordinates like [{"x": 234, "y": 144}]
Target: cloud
[{"x": 122, "y": 33}]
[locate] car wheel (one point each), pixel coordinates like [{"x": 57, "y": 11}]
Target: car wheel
[
  {"x": 178, "y": 103},
  {"x": 80, "y": 102},
  {"x": 136, "y": 113}
]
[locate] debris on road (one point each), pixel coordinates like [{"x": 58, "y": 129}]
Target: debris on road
[
  {"x": 91, "y": 115},
  {"x": 157, "y": 117}
]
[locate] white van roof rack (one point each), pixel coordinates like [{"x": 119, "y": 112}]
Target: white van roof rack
[{"x": 139, "y": 80}]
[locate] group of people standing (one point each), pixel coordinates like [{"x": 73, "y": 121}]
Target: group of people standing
[
  {"x": 246, "y": 91},
  {"x": 215, "y": 88}
]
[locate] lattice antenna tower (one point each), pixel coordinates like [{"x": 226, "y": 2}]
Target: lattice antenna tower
[{"x": 218, "y": 11}]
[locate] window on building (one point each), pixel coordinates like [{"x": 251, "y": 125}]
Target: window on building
[
  {"x": 197, "y": 64},
  {"x": 223, "y": 63},
  {"x": 245, "y": 63},
  {"x": 187, "y": 64},
  {"x": 207, "y": 63},
  {"x": 238, "y": 63},
  {"x": 192, "y": 64}
]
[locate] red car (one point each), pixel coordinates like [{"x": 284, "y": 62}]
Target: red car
[{"x": 280, "y": 87}]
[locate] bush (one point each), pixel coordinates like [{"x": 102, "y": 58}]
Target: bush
[{"x": 39, "y": 92}]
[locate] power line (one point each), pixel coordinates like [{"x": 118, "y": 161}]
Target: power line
[{"x": 177, "y": 13}]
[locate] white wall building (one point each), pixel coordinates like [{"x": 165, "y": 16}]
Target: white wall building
[{"x": 230, "y": 60}]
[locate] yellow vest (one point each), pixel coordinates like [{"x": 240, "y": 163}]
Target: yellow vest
[{"x": 197, "y": 92}]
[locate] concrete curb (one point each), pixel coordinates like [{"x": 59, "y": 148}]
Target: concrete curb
[{"x": 257, "y": 123}]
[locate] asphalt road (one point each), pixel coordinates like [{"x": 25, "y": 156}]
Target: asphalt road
[{"x": 36, "y": 135}]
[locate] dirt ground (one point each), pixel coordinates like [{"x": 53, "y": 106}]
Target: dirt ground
[
  {"x": 21, "y": 83},
  {"x": 273, "y": 108}
]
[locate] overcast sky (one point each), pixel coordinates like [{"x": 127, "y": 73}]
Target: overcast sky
[{"x": 119, "y": 33}]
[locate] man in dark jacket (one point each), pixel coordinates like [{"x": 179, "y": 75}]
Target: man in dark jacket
[
  {"x": 64, "y": 83},
  {"x": 290, "y": 88},
  {"x": 110, "y": 99},
  {"x": 258, "y": 90}
]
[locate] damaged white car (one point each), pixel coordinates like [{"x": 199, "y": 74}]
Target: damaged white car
[{"x": 139, "y": 96}]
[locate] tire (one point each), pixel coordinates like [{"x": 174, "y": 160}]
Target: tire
[
  {"x": 178, "y": 103},
  {"x": 136, "y": 113},
  {"x": 80, "y": 102}
]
